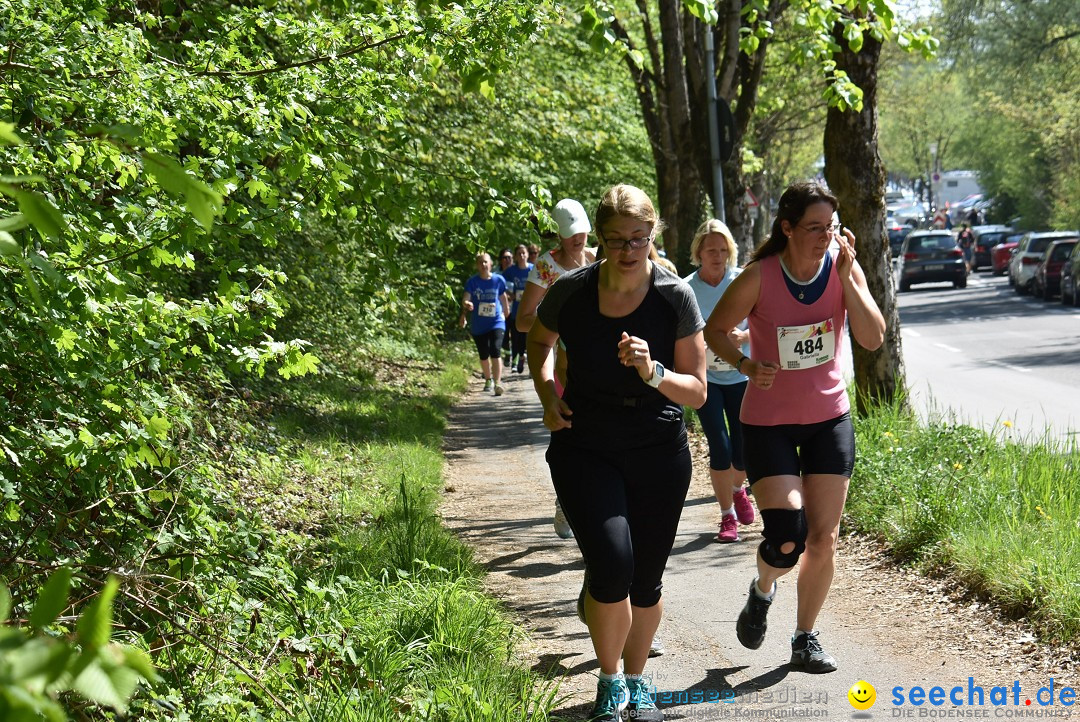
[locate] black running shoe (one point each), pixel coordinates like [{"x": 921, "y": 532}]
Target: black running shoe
[
  {"x": 750, "y": 629},
  {"x": 807, "y": 654}
]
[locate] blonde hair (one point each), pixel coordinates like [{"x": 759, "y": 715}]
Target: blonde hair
[
  {"x": 627, "y": 202},
  {"x": 481, "y": 254},
  {"x": 659, "y": 260},
  {"x": 713, "y": 226}
]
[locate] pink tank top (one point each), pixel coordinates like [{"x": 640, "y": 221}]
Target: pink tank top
[{"x": 807, "y": 342}]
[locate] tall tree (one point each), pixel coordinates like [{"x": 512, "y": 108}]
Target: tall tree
[
  {"x": 843, "y": 40},
  {"x": 1021, "y": 62},
  {"x": 855, "y": 173},
  {"x": 923, "y": 104},
  {"x": 664, "y": 47}
]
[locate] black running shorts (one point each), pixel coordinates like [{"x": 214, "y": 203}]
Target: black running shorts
[{"x": 827, "y": 447}]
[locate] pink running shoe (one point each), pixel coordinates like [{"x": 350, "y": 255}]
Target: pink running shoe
[
  {"x": 744, "y": 508},
  {"x": 729, "y": 530}
]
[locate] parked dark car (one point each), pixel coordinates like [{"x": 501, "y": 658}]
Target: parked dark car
[
  {"x": 931, "y": 256},
  {"x": 1070, "y": 278},
  {"x": 1001, "y": 254},
  {"x": 1047, "y": 281},
  {"x": 897, "y": 233},
  {"x": 986, "y": 237}
]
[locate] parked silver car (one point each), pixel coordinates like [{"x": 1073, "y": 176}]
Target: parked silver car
[{"x": 1029, "y": 254}]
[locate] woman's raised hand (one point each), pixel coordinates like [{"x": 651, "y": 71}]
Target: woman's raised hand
[
  {"x": 634, "y": 351},
  {"x": 761, "y": 373}
]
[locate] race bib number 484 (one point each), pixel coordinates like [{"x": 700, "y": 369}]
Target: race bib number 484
[{"x": 804, "y": 347}]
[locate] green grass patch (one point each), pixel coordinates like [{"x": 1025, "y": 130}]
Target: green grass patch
[
  {"x": 357, "y": 604},
  {"x": 999, "y": 512}
]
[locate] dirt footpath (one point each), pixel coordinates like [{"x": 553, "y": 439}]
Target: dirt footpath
[{"x": 888, "y": 626}]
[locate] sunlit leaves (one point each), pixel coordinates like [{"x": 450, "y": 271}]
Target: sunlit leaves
[
  {"x": 702, "y": 10},
  {"x": 855, "y": 19},
  {"x": 203, "y": 202},
  {"x": 95, "y": 625},
  {"x": 8, "y": 136},
  {"x": 35, "y": 208},
  {"x": 36, "y": 667},
  {"x": 8, "y": 245},
  {"x": 180, "y": 161}
]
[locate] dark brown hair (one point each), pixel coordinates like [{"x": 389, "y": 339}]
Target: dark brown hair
[{"x": 793, "y": 204}]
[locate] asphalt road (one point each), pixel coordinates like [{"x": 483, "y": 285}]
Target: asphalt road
[{"x": 987, "y": 355}]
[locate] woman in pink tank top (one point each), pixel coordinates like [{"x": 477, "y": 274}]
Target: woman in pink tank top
[{"x": 801, "y": 287}]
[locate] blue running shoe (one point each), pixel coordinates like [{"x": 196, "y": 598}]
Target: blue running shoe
[
  {"x": 611, "y": 699},
  {"x": 642, "y": 706}
]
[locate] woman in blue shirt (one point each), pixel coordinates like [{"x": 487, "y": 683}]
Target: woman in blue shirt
[
  {"x": 516, "y": 277},
  {"x": 486, "y": 300}
]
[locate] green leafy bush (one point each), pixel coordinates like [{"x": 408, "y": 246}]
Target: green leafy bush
[{"x": 40, "y": 664}]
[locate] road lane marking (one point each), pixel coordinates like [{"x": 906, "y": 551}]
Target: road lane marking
[
  {"x": 948, "y": 348},
  {"x": 1021, "y": 369},
  {"x": 916, "y": 334}
]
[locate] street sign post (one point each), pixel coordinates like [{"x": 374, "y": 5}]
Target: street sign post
[{"x": 725, "y": 124}]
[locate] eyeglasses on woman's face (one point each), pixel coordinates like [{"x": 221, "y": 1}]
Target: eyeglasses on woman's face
[
  {"x": 617, "y": 244},
  {"x": 506, "y": 258},
  {"x": 817, "y": 229}
]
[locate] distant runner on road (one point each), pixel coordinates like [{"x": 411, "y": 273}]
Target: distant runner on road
[
  {"x": 618, "y": 456},
  {"x": 486, "y": 303},
  {"x": 517, "y": 277},
  {"x": 799, "y": 441}
]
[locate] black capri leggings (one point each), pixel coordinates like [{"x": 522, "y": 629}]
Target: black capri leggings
[
  {"x": 487, "y": 344},
  {"x": 517, "y": 341},
  {"x": 624, "y": 508}
]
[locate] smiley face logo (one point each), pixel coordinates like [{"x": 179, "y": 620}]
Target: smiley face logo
[{"x": 862, "y": 695}]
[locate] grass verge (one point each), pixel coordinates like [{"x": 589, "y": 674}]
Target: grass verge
[
  {"x": 357, "y": 604},
  {"x": 998, "y": 511}
]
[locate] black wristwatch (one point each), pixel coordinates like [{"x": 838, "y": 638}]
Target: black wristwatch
[{"x": 738, "y": 364}]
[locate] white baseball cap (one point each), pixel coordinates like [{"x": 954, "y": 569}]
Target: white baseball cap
[{"x": 571, "y": 218}]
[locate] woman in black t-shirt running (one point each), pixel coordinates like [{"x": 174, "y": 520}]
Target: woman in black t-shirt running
[{"x": 618, "y": 454}]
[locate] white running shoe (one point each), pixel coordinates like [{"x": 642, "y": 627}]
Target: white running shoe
[{"x": 562, "y": 527}]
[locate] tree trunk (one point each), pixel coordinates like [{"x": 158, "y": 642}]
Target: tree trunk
[
  {"x": 738, "y": 216},
  {"x": 759, "y": 216},
  {"x": 680, "y": 202},
  {"x": 856, "y": 175}
]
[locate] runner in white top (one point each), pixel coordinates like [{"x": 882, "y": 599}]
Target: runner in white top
[
  {"x": 713, "y": 250},
  {"x": 572, "y": 252}
]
